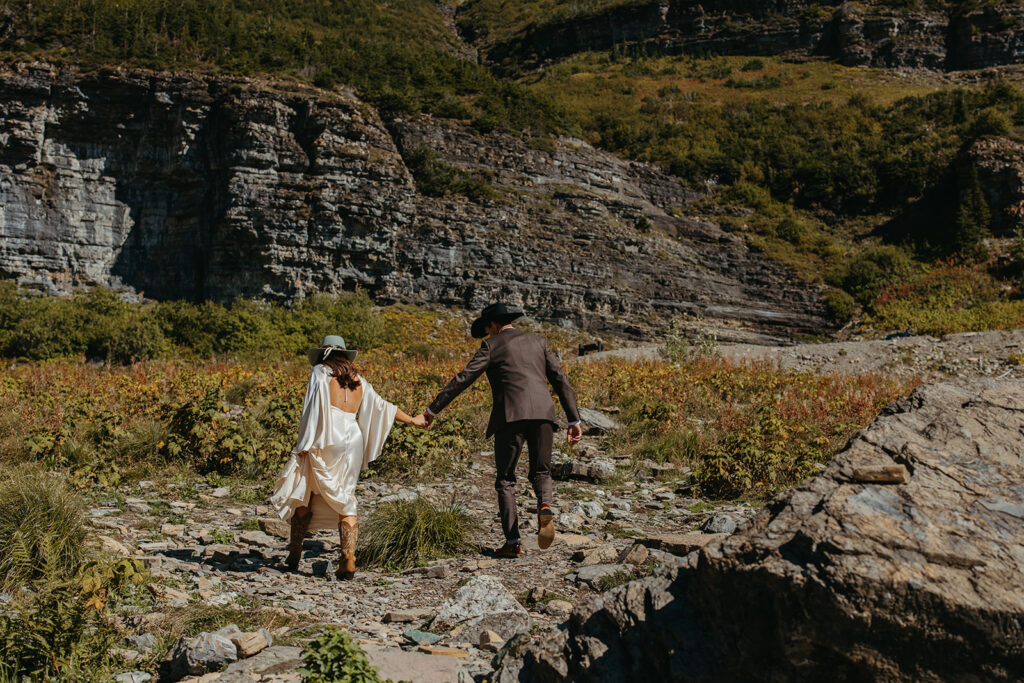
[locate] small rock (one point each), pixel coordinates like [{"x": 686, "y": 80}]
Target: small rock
[
  {"x": 404, "y": 616},
  {"x": 219, "y": 552},
  {"x": 636, "y": 554},
  {"x": 248, "y": 644},
  {"x": 571, "y": 521},
  {"x": 486, "y": 564},
  {"x": 175, "y": 530},
  {"x": 681, "y": 544},
  {"x": 144, "y": 642},
  {"x": 258, "y": 538},
  {"x": 596, "y": 422},
  {"x": 114, "y": 547},
  {"x": 602, "y": 554},
  {"x": 719, "y": 524},
  {"x": 574, "y": 540},
  {"x": 221, "y": 492},
  {"x": 559, "y": 607},
  {"x": 166, "y": 593},
  {"x": 229, "y": 631},
  {"x": 588, "y": 508},
  {"x": 206, "y": 652},
  {"x": 440, "y": 571},
  {"x": 275, "y": 527},
  {"x": 491, "y": 641},
  {"x": 483, "y": 604},
  {"x": 444, "y": 651},
  {"x": 419, "y": 637},
  {"x": 133, "y": 677}
]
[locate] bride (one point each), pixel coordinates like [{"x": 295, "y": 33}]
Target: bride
[{"x": 343, "y": 428}]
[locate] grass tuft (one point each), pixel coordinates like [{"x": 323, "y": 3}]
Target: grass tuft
[
  {"x": 404, "y": 534},
  {"x": 42, "y": 533}
]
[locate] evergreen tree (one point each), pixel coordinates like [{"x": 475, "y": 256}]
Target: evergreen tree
[{"x": 973, "y": 217}]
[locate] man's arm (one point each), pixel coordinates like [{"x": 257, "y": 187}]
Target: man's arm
[
  {"x": 560, "y": 383},
  {"x": 462, "y": 381}
]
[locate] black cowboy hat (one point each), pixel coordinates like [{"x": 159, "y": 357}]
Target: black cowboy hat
[{"x": 494, "y": 313}]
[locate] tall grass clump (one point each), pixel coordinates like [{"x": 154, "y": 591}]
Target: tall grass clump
[
  {"x": 42, "y": 533},
  {"x": 402, "y": 534}
]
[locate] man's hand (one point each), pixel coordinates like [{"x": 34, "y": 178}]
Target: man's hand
[
  {"x": 574, "y": 433},
  {"x": 428, "y": 417}
]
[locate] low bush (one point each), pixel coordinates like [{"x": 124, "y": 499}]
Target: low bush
[
  {"x": 948, "y": 297},
  {"x": 437, "y": 452},
  {"x": 334, "y": 656},
  {"x": 402, "y": 534}
]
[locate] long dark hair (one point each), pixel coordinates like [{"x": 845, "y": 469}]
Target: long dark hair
[{"x": 342, "y": 370}]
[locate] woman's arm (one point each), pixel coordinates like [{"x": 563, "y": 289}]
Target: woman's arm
[{"x": 405, "y": 418}]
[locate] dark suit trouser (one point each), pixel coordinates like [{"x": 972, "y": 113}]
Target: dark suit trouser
[{"x": 538, "y": 435}]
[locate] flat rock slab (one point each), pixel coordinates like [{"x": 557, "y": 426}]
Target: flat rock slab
[
  {"x": 418, "y": 667},
  {"x": 598, "y": 422},
  {"x": 839, "y": 579},
  {"x": 681, "y": 544},
  {"x": 279, "y": 659},
  {"x": 483, "y": 604}
]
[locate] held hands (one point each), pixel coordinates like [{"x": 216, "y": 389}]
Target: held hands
[
  {"x": 574, "y": 434},
  {"x": 421, "y": 420}
]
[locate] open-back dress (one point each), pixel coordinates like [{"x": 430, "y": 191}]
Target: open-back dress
[{"x": 338, "y": 446}]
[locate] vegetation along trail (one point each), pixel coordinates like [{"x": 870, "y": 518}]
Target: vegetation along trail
[{"x": 793, "y": 233}]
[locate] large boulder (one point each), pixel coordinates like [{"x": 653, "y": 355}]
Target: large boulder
[
  {"x": 839, "y": 579},
  {"x": 204, "y": 653},
  {"x": 483, "y": 604}
]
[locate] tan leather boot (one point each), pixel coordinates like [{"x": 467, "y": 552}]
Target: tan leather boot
[
  {"x": 300, "y": 525},
  {"x": 347, "y": 562}
]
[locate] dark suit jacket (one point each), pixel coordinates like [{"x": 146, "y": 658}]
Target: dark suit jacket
[{"x": 519, "y": 367}]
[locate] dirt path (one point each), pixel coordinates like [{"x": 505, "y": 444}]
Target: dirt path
[{"x": 209, "y": 552}]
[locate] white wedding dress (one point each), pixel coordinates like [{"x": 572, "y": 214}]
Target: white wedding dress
[{"x": 339, "y": 446}]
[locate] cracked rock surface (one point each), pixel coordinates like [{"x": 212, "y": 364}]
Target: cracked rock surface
[{"x": 837, "y": 579}]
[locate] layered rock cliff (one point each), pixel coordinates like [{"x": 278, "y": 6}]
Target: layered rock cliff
[
  {"x": 856, "y": 34},
  {"x": 190, "y": 185}
]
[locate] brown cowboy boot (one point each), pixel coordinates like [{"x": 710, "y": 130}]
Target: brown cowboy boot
[
  {"x": 347, "y": 562},
  {"x": 300, "y": 525}
]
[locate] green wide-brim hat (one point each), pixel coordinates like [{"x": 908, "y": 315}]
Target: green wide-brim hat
[{"x": 333, "y": 344}]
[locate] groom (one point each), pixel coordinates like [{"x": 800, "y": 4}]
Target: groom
[{"x": 518, "y": 366}]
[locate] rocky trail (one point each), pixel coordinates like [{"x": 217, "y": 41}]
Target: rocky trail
[
  {"x": 998, "y": 353},
  {"x": 615, "y": 524}
]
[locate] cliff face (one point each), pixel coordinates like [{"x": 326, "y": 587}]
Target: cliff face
[
  {"x": 856, "y": 34},
  {"x": 204, "y": 187}
]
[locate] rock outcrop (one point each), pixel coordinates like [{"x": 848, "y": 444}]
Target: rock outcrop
[
  {"x": 999, "y": 164},
  {"x": 856, "y": 34},
  {"x": 840, "y": 579},
  {"x": 197, "y": 186}
]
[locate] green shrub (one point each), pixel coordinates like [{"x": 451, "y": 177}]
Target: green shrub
[
  {"x": 867, "y": 274},
  {"x": 436, "y": 452},
  {"x": 42, "y": 533},
  {"x": 841, "y": 306},
  {"x": 136, "y": 337},
  {"x": 335, "y": 657},
  {"x": 54, "y": 636},
  {"x": 758, "y": 460},
  {"x": 436, "y": 178},
  {"x": 402, "y": 534}
]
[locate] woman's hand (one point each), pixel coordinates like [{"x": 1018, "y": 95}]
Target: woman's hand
[{"x": 420, "y": 421}]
